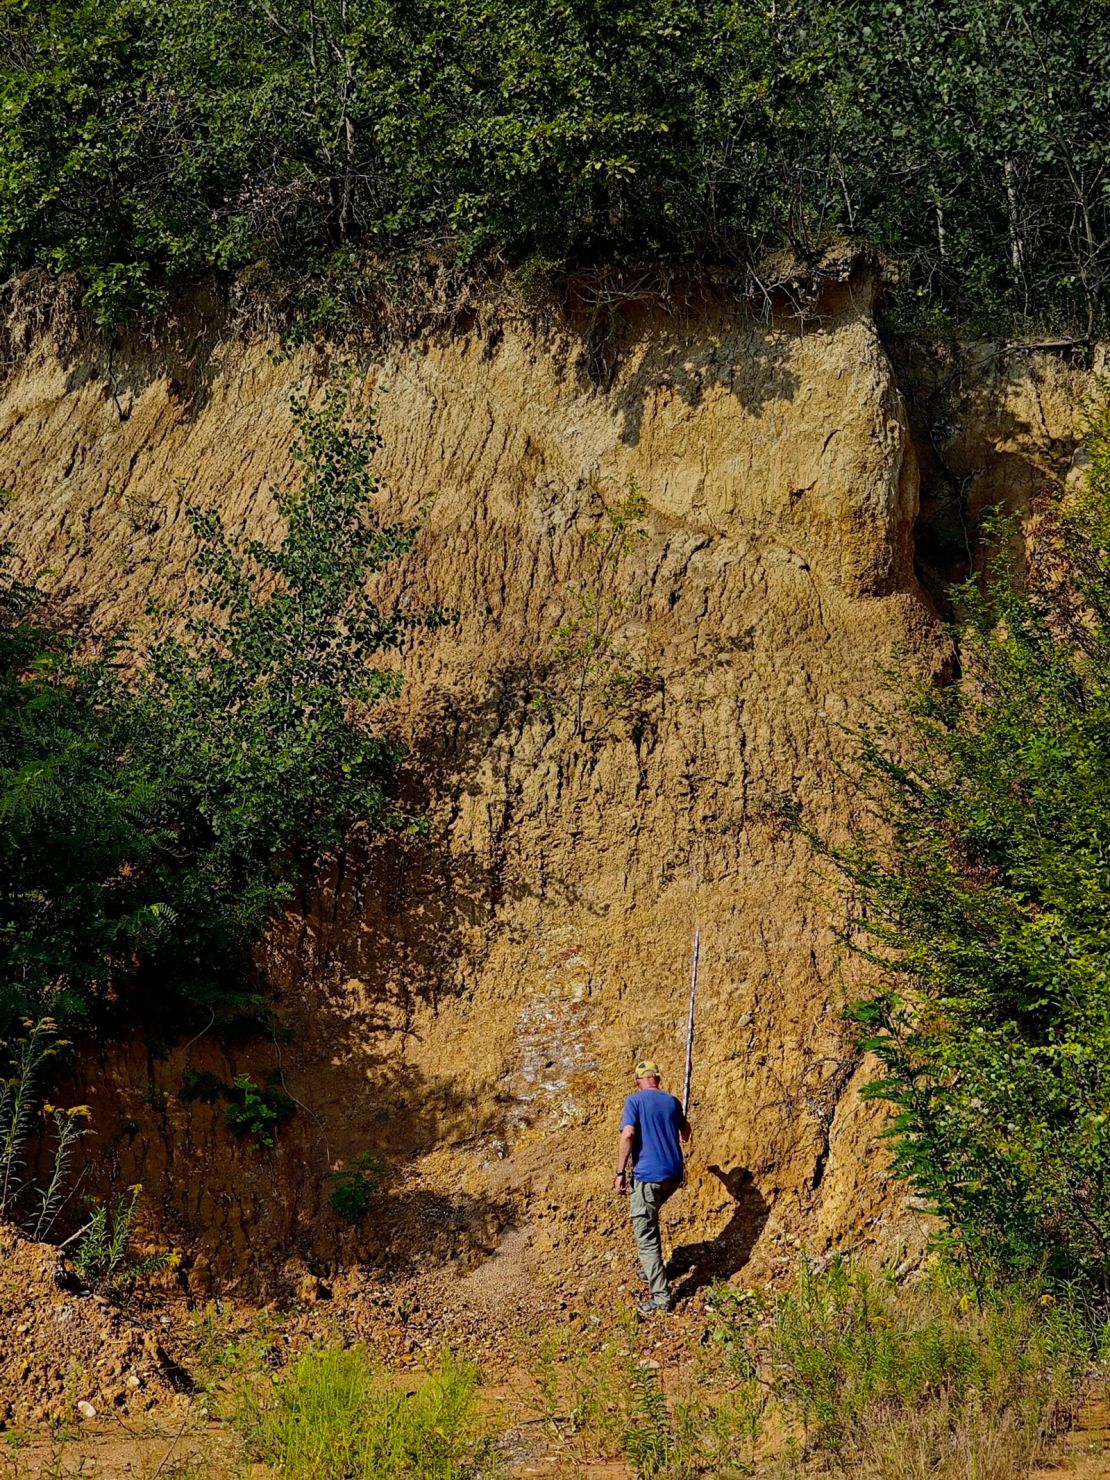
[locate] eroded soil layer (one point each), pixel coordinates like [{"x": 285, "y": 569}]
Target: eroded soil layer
[{"x": 466, "y": 1006}]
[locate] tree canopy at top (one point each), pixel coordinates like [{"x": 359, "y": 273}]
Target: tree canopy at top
[{"x": 143, "y": 144}]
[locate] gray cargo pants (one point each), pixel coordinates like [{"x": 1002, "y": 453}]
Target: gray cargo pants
[{"x": 647, "y": 1199}]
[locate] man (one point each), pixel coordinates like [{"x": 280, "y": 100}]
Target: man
[{"x": 653, "y": 1130}]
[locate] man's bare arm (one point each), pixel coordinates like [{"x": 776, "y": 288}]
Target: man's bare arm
[{"x": 624, "y": 1152}]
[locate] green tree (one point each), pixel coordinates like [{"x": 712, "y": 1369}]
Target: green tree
[
  {"x": 981, "y": 115},
  {"x": 80, "y": 835},
  {"x": 986, "y": 907},
  {"x": 337, "y": 148},
  {"x": 155, "y": 822}
]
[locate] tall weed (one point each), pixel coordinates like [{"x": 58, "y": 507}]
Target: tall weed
[
  {"x": 25, "y": 1064},
  {"x": 103, "y": 1256},
  {"x": 649, "y": 1439},
  {"x": 22, "y": 1062}
]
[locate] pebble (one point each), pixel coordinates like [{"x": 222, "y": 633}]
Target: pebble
[{"x": 86, "y": 1409}]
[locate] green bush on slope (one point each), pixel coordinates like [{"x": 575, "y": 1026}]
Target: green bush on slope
[
  {"x": 986, "y": 912},
  {"x": 153, "y": 822}
]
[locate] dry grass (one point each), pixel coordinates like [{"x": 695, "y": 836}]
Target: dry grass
[
  {"x": 891, "y": 1383},
  {"x": 846, "y": 1373}
]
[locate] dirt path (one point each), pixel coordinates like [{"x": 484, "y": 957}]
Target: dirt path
[{"x": 186, "y": 1451}]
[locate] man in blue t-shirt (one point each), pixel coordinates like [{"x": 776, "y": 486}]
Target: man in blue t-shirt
[{"x": 653, "y": 1130}]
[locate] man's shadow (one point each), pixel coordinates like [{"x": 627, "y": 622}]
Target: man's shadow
[{"x": 693, "y": 1266}]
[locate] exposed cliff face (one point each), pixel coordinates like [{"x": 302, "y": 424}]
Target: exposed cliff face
[
  {"x": 468, "y": 1005},
  {"x": 992, "y": 424}
]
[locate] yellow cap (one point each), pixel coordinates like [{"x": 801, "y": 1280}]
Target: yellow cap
[{"x": 646, "y": 1069}]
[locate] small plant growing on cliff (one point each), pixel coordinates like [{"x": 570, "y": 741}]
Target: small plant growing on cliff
[
  {"x": 101, "y": 1252},
  {"x": 104, "y": 1255},
  {"x": 354, "y": 1187},
  {"x": 257, "y": 1110},
  {"x": 202, "y": 1085},
  {"x": 251, "y": 1109},
  {"x": 587, "y": 659}
]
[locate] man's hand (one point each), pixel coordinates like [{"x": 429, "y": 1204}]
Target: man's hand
[{"x": 620, "y": 1183}]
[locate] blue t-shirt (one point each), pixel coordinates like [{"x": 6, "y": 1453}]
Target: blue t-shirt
[{"x": 657, "y": 1119}]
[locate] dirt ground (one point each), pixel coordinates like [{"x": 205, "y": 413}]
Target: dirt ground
[
  {"x": 158, "y": 1433},
  {"x": 1085, "y": 1452},
  {"x": 178, "y": 1444},
  {"x": 139, "y": 1389}
]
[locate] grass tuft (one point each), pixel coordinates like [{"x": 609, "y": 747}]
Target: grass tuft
[{"x": 337, "y": 1415}]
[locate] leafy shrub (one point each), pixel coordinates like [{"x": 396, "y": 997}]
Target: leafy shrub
[
  {"x": 152, "y": 824},
  {"x": 983, "y": 901},
  {"x": 257, "y": 1110},
  {"x": 337, "y": 1414},
  {"x": 79, "y": 828},
  {"x": 250, "y": 1109},
  {"x": 355, "y": 1186}
]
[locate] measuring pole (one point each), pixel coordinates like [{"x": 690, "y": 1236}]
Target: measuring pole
[{"x": 690, "y": 1023}]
